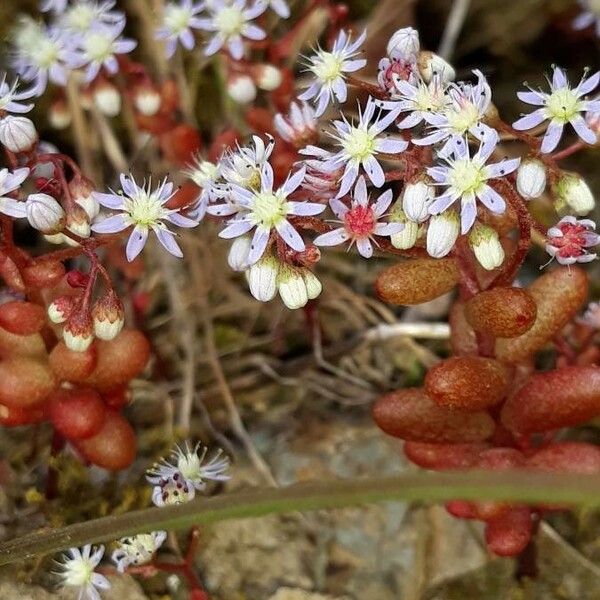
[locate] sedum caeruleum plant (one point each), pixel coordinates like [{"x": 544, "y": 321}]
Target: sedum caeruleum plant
[{"x": 416, "y": 164}]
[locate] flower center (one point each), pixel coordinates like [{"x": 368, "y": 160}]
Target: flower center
[
  {"x": 46, "y": 54},
  {"x": 462, "y": 119},
  {"x": 80, "y": 17},
  {"x": 562, "y": 105},
  {"x": 428, "y": 100},
  {"x": 269, "y": 209},
  {"x": 229, "y": 21},
  {"x": 78, "y": 572},
  {"x": 177, "y": 18},
  {"x": 98, "y": 46},
  {"x": 328, "y": 67},
  {"x": 189, "y": 466},
  {"x": 466, "y": 177},
  {"x": 359, "y": 144},
  {"x": 174, "y": 490},
  {"x": 360, "y": 221},
  {"x": 144, "y": 209},
  {"x": 204, "y": 173}
]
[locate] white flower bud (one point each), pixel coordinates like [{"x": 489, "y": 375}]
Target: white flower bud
[
  {"x": 147, "y": 101},
  {"x": 407, "y": 238},
  {"x": 109, "y": 317},
  {"x": 268, "y": 77},
  {"x": 44, "y": 213},
  {"x": 313, "y": 285},
  {"x": 108, "y": 100},
  {"x": 90, "y": 205},
  {"x": 416, "y": 199},
  {"x": 55, "y": 238},
  {"x": 442, "y": 233},
  {"x": 262, "y": 278},
  {"x": 572, "y": 191},
  {"x": 17, "y": 134},
  {"x": 60, "y": 309},
  {"x": 531, "y": 178},
  {"x": 292, "y": 287},
  {"x": 431, "y": 64},
  {"x": 78, "y": 222},
  {"x": 487, "y": 247},
  {"x": 78, "y": 332},
  {"x": 59, "y": 115},
  {"x": 241, "y": 89},
  {"x": 238, "y": 253},
  {"x": 77, "y": 342},
  {"x": 404, "y": 44}
]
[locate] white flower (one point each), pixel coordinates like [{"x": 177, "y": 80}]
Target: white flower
[
  {"x": 177, "y": 480},
  {"x": 11, "y": 100},
  {"x": 137, "y": 550},
  {"x": 244, "y": 166},
  {"x": 360, "y": 144},
  {"x": 143, "y": 208},
  {"x": 329, "y": 70},
  {"x": 265, "y": 210},
  {"x": 531, "y": 178},
  {"x": 83, "y": 15},
  {"x": 9, "y": 182},
  {"x": 78, "y": 572},
  {"x": 178, "y": 21},
  {"x": 99, "y": 48},
  {"x": 466, "y": 178},
  {"x": 360, "y": 221},
  {"x": 486, "y": 246},
  {"x": 568, "y": 241},
  {"x": 230, "y": 22},
  {"x": 561, "y": 106},
  {"x": 205, "y": 175},
  {"x": 299, "y": 126},
  {"x": 442, "y": 233},
  {"x": 17, "y": 134},
  {"x": 466, "y": 108}
]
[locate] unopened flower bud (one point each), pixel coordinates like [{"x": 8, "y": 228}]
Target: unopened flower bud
[
  {"x": 61, "y": 308},
  {"x": 406, "y": 238},
  {"x": 262, "y": 278},
  {"x": 78, "y": 222},
  {"x": 486, "y": 246},
  {"x": 78, "y": 332},
  {"x": 299, "y": 126},
  {"x": 147, "y": 100},
  {"x": 55, "y": 238},
  {"x": 59, "y": 115},
  {"x": 404, "y": 44},
  {"x": 44, "y": 213},
  {"x": 292, "y": 287},
  {"x": 531, "y": 178},
  {"x": 107, "y": 99},
  {"x": 238, "y": 253},
  {"x": 18, "y": 134},
  {"x": 267, "y": 77},
  {"x": 82, "y": 191},
  {"x": 313, "y": 285},
  {"x": 442, "y": 233},
  {"x": 241, "y": 89},
  {"x": 431, "y": 64},
  {"x": 109, "y": 317},
  {"x": 572, "y": 191},
  {"x": 416, "y": 199}
]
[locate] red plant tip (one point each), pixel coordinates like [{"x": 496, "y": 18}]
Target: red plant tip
[
  {"x": 61, "y": 309},
  {"x": 78, "y": 332},
  {"x": 109, "y": 316},
  {"x": 77, "y": 279}
]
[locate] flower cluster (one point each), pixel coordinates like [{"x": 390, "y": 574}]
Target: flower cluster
[{"x": 173, "y": 482}]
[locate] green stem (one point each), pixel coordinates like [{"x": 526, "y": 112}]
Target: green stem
[{"x": 536, "y": 488}]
